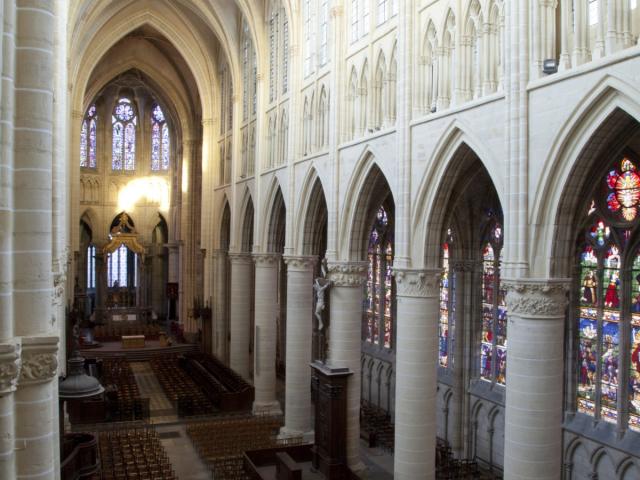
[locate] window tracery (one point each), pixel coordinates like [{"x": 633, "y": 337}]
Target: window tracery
[
  {"x": 609, "y": 302},
  {"x": 378, "y": 312},
  {"x": 88, "y": 138},
  {"x": 124, "y": 121},
  {"x": 160, "y": 140},
  {"x": 493, "y": 346}
]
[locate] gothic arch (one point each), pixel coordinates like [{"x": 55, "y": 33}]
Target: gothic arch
[
  {"x": 454, "y": 149},
  {"x": 607, "y": 108},
  {"x": 224, "y": 226},
  {"x": 311, "y": 215},
  {"x": 246, "y": 224},
  {"x": 367, "y": 171},
  {"x": 276, "y": 225},
  {"x": 272, "y": 197}
]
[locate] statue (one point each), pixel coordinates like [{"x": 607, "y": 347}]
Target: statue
[{"x": 320, "y": 285}]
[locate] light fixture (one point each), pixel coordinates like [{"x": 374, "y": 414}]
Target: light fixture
[{"x": 549, "y": 66}]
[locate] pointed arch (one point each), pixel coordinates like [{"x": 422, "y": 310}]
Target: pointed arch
[
  {"x": 367, "y": 182},
  {"x": 379, "y": 92},
  {"x": 392, "y": 78},
  {"x": 322, "y": 126},
  {"x": 246, "y": 224},
  {"x": 352, "y": 99},
  {"x": 312, "y": 216},
  {"x": 224, "y": 227},
  {"x": 273, "y": 218},
  {"x": 363, "y": 94},
  {"x": 608, "y": 107},
  {"x": 456, "y": 144}
]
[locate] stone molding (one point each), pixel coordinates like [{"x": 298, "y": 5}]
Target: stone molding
[
  {"x": 301, "y": 263},
  {"x": 423, "y": 283},
  {"x": 240, "y": 258},
  {"x": 9, "y": 367},
  {"x": 266, "y": 259},
  {"x": 347, "y": 274},
  {"x": 39, "y": 359},
  {"x": 531, "y": 298}
]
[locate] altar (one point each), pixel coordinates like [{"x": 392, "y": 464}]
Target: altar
[{"x": 133, "y": 341}]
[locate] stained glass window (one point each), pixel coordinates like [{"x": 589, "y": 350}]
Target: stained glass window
[
  {"x": 609, "y": 303},
  {"x": 124, "y": 121},
  {"x": 160, "y": 142},
  {"x": 91, "y": 267},
  {"x": 88, "y": 138},
  {"x": 122, "y": 268},
  {"x": 446, "y": 328},
  {"x": 493, "y": 346},
  {"x": 378, "y": 324}
]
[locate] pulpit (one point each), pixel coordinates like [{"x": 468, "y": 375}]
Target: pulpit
[{"x": 329, "y": 390}]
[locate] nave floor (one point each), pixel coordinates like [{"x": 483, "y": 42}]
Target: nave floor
[{"x": 183, "y": 456}]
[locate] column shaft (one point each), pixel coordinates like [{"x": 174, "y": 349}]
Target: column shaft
[
  {"x": 345, "y": 337},
  {"x": 416, "y": 379},
  {"x": 264, "y": 372},
  {"x": 240, "y": 314},
  {"x": 533, "y": 418},
  {"x": 298, "y": 352}
]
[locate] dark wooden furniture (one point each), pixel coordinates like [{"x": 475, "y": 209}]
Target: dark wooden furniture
[
  {"x": 80, "y": 458},
  {"x": 329, "y": 390},
  {"x": 286, "y": 468}
]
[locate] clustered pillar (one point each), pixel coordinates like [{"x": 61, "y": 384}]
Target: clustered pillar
[
  {"x": 416, "y": 368},
  {"x": 533, "y": 418},
  {"x": 345, "y": 344},
  {"x": 297, "y": 418},
  {"x": 264, "y": 371}
]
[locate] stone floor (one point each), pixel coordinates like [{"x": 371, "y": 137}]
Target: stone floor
[
  {"x": 161, "y": 409},
  {"x": 184, "y": 458}
]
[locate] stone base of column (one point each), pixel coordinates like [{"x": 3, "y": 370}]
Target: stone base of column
[
  {"x": 268, "y": 408},
  {"x": 307, "y": 437}
]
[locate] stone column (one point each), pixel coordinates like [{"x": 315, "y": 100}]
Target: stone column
[
  {"x": 240, "y": 313},
  {"x": 533, "y": 418},
  {"x": 220, "y": 319},
  {"x": 416, "y": 373},
  {"x": 264, "y": 371},
  {"x": 9, "y": 369},
  {"x": 35, "y": 399},
  {"x": 345, "y": 337},
  {"x": 297, "y": 418}
]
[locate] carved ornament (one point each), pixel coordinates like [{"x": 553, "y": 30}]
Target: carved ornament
[
  {"x": 239, "y": 258},
  {"x": 266, "y": 259},
  {"x": 531, "y": 298},
  {"x": 417, "y": 283},
  {"x": 9, "y": 367},
  {"x": 303, "y": 263},
  {"x": 348, "y": 274},
  {"x": 39, "y": 359}
]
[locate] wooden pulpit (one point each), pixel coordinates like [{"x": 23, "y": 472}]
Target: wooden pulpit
[{"x": 329, "y": 390}]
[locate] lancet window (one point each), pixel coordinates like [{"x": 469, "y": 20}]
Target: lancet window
[
  {"x": 608, "y": 301},
  {"x": 124, "y": 121},
  {"x": 160, "y": 142},
  {"x": 88, "y": 138},
  {"x": 379, "y": 300}
]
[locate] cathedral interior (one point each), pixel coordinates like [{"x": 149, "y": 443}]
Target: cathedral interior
[{"x": 307, "y": 239}]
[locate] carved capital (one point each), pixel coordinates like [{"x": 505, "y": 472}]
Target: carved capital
[
  {"x": 241, "y": 258},
  {"x": 9, "y": 367},
  {"x": 303, "y": 263},
  {"x": 39, "y": 359},
  {"x": 266, "y": 259},
  {"x": 347, "y": 274},
  {"x": 534, "y": 298},
  {"x": 417, "y": 283}
]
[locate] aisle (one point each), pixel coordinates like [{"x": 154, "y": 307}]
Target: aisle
[
  {"x": 183, "y": 457},
  {"x": 160, "y": 407}
]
